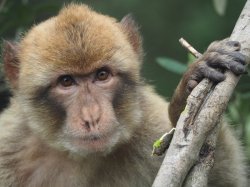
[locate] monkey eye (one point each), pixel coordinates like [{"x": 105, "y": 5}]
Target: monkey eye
[
  {"x": 103, "y": 74},
  {"x": 66, "y": 80}
]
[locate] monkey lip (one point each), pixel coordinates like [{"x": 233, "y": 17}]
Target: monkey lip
[
  {"x": 92, "y": 142},
  {"x": 91, "y": 138}
]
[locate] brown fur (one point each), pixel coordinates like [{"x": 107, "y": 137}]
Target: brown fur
[{"x": 78, "y": 41}]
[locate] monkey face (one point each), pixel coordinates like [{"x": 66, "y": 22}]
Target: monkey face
[
  {"x": 89, "y": 103},
  {"x": 83, "y": 112},
  {"x": 79, "y": 79}
]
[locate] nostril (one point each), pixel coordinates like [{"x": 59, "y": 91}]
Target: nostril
[
  {"x": 98, "y": 120},
  {"x": 87, "y": 124}
]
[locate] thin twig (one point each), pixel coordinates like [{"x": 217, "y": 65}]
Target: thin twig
[{"x": 190, "y": 49}]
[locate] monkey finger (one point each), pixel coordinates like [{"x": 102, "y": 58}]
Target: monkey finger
[
  {"x": 218, "y": 45},
  {"x": 234, "y": 44},
  {"x": 236, "y": 67},
  {"x": 212, "y": 74},
  {"x": 222, "y": 55},
  {"x": 238, "y": 57},
  {"x": 226, "y": 44},
  {"x": 191, "y": 85}
]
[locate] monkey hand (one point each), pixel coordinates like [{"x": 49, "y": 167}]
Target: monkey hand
[{"x": 220, "y": 56}]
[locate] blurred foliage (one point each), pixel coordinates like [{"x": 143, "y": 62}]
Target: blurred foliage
[
  {"x": 172, "y": 65},
  {"x": 162, "y": 24},
  {"x": 220, "y": 6},
  {"x": 238, "y": 112}
]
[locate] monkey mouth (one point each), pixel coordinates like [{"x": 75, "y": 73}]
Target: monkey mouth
[
  {"x": 92, "y": 143},
  {"x": 92, "y": 138}
]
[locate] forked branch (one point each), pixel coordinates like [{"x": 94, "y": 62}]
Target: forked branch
[{"x": 207, "y": 104}]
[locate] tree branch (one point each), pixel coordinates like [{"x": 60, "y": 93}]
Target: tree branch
[
  {"x": 203, "y": 111},
  {"x": 190, "y": 48}
]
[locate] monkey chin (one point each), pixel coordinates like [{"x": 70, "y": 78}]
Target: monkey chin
[{"x": 93, "y": 144}]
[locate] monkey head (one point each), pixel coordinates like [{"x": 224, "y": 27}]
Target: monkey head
[{"x": 76, "y": 77}]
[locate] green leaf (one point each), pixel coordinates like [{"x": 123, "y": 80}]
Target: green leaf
[
  {"x": 220, "y": 6},
  {"x": 171, "y": 65}
]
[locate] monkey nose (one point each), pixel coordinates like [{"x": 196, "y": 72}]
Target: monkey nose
[
  {"x": 90, "y": 119},
  {"x": 90, "y": 125},
  {"x": 90, "y": 122}
]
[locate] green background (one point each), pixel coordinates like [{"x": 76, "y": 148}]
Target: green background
[{"x": 162, "y": 23}]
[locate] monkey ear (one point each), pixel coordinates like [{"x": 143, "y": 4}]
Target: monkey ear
[
  {"x": 131, "y": 29},
  {"x": 11, "y": 62}
]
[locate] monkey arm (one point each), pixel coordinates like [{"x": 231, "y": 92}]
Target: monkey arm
[
  {"x": 220, "y": 56},
  {"x": 178, "y": 101}
]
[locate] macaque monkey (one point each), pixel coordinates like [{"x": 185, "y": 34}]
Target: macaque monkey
[{"x": 81, "y": 114}]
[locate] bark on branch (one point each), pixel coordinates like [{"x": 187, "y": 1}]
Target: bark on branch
[{"x": 203, "y": 111}]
